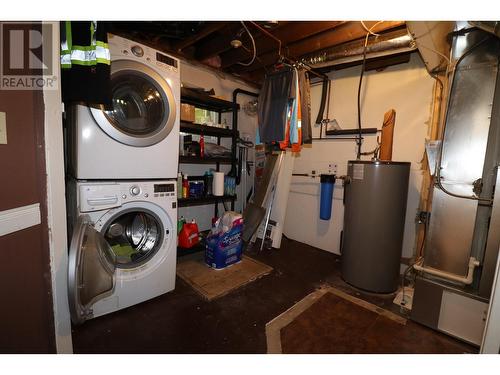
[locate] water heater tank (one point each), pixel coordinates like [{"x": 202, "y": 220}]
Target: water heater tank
[{"x": 374, "y": 217}]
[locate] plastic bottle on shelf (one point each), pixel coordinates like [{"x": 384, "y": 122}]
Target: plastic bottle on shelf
[
  {"x": 185, "y": 187},
  {"x": 179, "y": 185},
  {"x": 202, "y": 146},
  {"x": 208, "y": 182}
]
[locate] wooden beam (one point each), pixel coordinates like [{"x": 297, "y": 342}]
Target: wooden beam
[
  {"x": 257, "y": 76},
  {"x": 210, "y": 28},
  {"x": 218, "y": 43},
  {"x": 287, "y": 32},
  {"x": 344, "y": 33}
]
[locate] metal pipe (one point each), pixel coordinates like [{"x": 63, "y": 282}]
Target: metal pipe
[
  {"x": 235, "y": 128},
  {"x": 467, "y": 280},
  {"x": 321, "y": 111},
  {"x": 387, "y": 44}
]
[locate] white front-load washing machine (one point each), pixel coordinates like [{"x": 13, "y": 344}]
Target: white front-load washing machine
[
  {"x": 139, "y": 137},
  {"x": 124, "y": 244}
]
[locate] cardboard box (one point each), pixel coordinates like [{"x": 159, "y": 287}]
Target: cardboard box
[{"x": 187, "y": 112}]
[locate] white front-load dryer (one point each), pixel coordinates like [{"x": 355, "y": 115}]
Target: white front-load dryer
[
  {"x": 124, "y": 245},
  {"x": 139, "y": 137}
]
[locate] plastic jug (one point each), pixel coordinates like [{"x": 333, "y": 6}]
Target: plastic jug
[{"x": 189, "y": 235}]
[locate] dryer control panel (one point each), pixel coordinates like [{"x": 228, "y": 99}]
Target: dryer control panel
[{"x": 121, "y": 47}]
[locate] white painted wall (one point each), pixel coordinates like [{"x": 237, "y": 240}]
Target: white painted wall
[
  {"x": 224, "y": 86},
  {"x": 408, "y": 89}
]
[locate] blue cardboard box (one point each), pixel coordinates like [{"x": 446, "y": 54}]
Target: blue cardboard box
[{"x": 224, "y": 249}]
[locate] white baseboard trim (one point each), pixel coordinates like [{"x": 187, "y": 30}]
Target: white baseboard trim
[{"x": 19, "y": 218}]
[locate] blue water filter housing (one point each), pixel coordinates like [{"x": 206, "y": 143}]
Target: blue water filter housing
[{"x": 326, "y": 198}]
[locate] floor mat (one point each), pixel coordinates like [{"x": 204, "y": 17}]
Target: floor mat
[
  {"x": 211, "y": 283},
  {"x": 331, "y": 321}
]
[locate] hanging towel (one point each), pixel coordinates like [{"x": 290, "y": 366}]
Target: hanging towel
[
  {"x": 305, "y": 103},
  {"x": 85, "y": 63},
  {"x": 297, "y": 146},
  {"x": 285, "y": 143},
  {"x": 293, "y": 131},
  {"x": 277, "y": 90},
  {"x": 294, "y": 123}
]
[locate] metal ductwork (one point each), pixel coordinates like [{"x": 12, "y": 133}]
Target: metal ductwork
[
  {"x": 492, "y": 27},
  {"x": 384, "y": 45}
]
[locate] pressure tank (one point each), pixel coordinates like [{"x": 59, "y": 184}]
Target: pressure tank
[{"x": 374, "y": 218}]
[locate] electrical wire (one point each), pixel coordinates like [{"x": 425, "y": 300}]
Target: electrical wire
[
  {"x": 363, "y": 66},
  {"x": 253, "y": 44},
  {"x": 410, "y": 267},
  {"x": 257, "y": 58},
  {"x": 436, "y": 52},
  {"x": 359, "y": 140},
  {"x": 369, "y": 30},
  {"x": 360, "y": 135},
  {"x": 327, "y": 120},
  {"x": 405, "y": 273}
]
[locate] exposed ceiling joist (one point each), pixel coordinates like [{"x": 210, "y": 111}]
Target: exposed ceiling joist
[
  {"x": 209, "y": 43},
  {"x": 210, "y": 28},
  {"x": 292, "y": 32},
  {"x": 341, "y": 34},
  {"x": 219, "y": 42}
]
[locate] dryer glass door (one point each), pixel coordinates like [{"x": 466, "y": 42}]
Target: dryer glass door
[
  {"x": 139, "y": 107},
  {"x": 91, "y": 270},
  {"x": 144, "y": 108}
]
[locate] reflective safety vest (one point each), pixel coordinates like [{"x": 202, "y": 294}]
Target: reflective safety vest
[
  {"x": 96, "y": 52},
  {"x": 85, "y": 63}
]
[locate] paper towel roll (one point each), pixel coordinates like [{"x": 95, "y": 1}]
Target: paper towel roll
[{"x": 218, "y": 184}]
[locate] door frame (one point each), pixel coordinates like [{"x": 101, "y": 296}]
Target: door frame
[
  {"x": 491, "y": 336},
  {"x": 56, "y": 206}
]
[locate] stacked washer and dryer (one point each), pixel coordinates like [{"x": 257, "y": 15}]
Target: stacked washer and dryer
[{"x": 122, "y": 200}]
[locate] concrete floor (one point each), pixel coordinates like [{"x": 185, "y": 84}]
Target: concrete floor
[{"x": 182, "y": 322}]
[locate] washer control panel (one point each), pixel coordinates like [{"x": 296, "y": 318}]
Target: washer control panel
[
  {"x": 165, "y": 190},
  {"x": 100, "y": 196},
  {"x": 135, "y": 190}
]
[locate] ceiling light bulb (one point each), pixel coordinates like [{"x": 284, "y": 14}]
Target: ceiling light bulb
[{"x": 236, "y": 43}]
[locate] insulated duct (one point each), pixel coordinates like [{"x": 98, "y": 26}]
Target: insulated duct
[{"x": 384, "y": 45}]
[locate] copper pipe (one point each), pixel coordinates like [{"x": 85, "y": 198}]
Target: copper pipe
[{"x": 268, "y": 34}]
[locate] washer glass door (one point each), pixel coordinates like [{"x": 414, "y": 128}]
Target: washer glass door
[
  {"x": 144, "y": 108},
  {"x": 91, "y": 270},
  {"x": 134, "y": 236}
]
